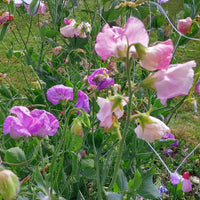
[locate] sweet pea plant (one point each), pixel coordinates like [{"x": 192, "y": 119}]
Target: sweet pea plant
[{"x": 92, "y": 121}]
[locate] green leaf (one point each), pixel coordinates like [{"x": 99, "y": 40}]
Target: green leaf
[
  {"x": 4, "y": 90},
  {"x": 4, "y": 31},
  {"x": 147, "y": 189},
  {"x": 122, "y": 181},
  {"x": 87, "y": 163},
  {"x": 135, "y": 183},
  {"x": 34, "y": 7},
  {"x": 11, "y": 7},
  {"x": 85, "y": 119},
  {"x": 51, "y": 33},
  {"x": 9, "y": 54},
  {"x": 113, "y": 196},
  {"x": 15, "y": 155}
]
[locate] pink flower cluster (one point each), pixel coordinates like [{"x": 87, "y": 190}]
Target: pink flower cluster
[
  {"x": 73, "y": 29},
  {"x": 170, "y": 81},
  {"x": 6, "y": 17},
  {"x": 28, "y": 123}
]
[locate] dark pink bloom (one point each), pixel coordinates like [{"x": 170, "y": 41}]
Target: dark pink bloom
[
  {"x": 114, "y": 39},
  {"x": 101, "y": 79},
  {"x": 68, "y": 21},
  {"x": 186, "y": 185},
  {"x": 184, "y": 25},
  {"x": 59, "y": 92},
  {"x": 176, "y": 80},
  {"x": 156, "y": 57},
  {"x": 6, "y": 17},
  {"x": 83, "y": 101}
]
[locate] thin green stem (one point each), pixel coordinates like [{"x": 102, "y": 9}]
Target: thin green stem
[{"x": 122, "y": 142}]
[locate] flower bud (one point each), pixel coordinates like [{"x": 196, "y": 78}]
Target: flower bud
[
  {"x": 77, "y": 128},
  {"x": 184, "y": 25},
  {"x": 9, "y": 185}
]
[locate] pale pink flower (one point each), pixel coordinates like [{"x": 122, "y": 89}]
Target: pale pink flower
[
  {"x": 57, "y": 50},
  {"x": 114, "y": 39},
  {"x": 69, "y": 30},
  {"x": 155, "y": 57},
  {"x": 186, "y": 183},
  {"x": 176, "y": 80},
  {"x": 184, "y": 25},
  {"x": 152, "y": 130},
  {"x": 41, "y": 9},
  {"x": 105, "y": 114}
]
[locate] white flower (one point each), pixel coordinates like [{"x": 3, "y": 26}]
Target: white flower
[{"x": 152, "y": 129}]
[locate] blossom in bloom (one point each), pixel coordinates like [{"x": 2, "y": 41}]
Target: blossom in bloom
[
  {"x": 162, "y": 189},
  {"x": 155, "y": 57},
  {"x": 83, "y": 101},
  {"x": 197, "y": 87},
  {"x": 57, "y": 50},
  {"x": 105, "y": 114},
  {"x": 186, "y": 183},
  {"x": 41, "y": 9},
  {"x": 176, "y": 80},
  {"x": 44, "y": 123},
  {"x": 9, "y": 184},
  {"x": 73, "y": 29},
  {"x": 101, "y": 79},
  {"x": 30, "y": 123},
  {"x": 59, "y": 92},
  {"x": 184, "y": 25},
  {"x": 112, "y": 41},
  {"x": 150, "y": 128}
]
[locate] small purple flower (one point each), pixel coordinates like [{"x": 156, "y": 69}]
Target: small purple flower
[
  {"x": 59, "y": 92},
  {"x": 162, "y": 190},
  {"x": 83, "y": 101},
  {"x": 163, "y": 1},
  {"x": 197, "y": 87},
  {"x": 175, "y": 178},
  {"x": 170, "y": 135},
  {"x": 100, "y": 78},
  {"x": 35, "y": 123},
  {"x": 168, "y": 151}
]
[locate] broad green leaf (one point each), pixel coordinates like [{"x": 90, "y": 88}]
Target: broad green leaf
[
  {"x": 85, "y": 119},
  {"x": 135, "y": 182},
  {"x": 4, "y": 31},
  {"x": 34, "y": 7},
  {"x": 147, "y": 189},
  {"x": 113, "y": 196},
  {"x": 122, "y": 181},
  {"x": 51, "y": 34},
  {"x": 15, "y": 155},
  {"x": 11, "y": 7}
]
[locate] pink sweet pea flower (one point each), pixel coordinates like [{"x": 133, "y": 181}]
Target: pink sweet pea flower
[
  {"x": 59, "y": 92},
  {"x": 83, "y": 101},
  {"x": 69, "y": 30},
  {"x": 101, "y": 79},
  {"x": 44, "y": 123},
  {"x": 175, "y": 178},
  {"x": 176, "y": 80},
  {"x": 112, "y": 40},
  {"x": 155, "y": 57},
  {"x": 105, "y": 114},
  {"x": 151, "y": 129},
  {"x": 186, "y": 183},
  {"x": 6, "y": 17},
  {"x": 184, "y": 25}
]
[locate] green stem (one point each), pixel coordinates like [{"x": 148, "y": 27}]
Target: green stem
[{"x": 122, "y": 142}]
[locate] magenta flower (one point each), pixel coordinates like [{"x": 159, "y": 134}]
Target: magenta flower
[
  {"x": 113, "y": 40},
  {"x": 100, "y": 78},
  {"x": 83, "y": 101},
  {"x": 59, "y": 92},
  {"x": 4, "y": 17},
  {"x": 184, "y": 25},
  {"x": 155, "y": 57},
  {"x": 15, "y": 127},
  {"x": 176, "y": 80},
  {"x": 44, "y": 123},
  {"x": 35, "y": 123},
  {"x": 175, "y": 178}
]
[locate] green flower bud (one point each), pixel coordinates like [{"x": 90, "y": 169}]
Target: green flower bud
[
  {"x": 77, "y": 128},
  {"x": 9, "y": 185}
]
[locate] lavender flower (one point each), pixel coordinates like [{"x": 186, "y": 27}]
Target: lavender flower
[
  {"x": 59, "y": 92},
  {"x": 163, "y": 1}
]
